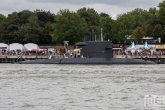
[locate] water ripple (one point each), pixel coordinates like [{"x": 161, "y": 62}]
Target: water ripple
[{"x": 79, "y": 87}]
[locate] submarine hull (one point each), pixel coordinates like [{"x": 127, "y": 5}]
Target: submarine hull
[
  {"x": 93, "y": 52},
  {"x": 87, "y": 61}
]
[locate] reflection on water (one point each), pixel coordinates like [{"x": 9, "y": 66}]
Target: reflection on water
[{"x": 79, "y": 87}]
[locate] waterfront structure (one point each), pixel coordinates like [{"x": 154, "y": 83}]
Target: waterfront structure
[{"x": 90, "y": 52}]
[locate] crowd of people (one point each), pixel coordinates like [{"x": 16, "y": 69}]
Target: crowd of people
[
  {"x": 139, "y": 52},
  {"x": 19, "y": 52},
  {"x": 73, "y": 54}
]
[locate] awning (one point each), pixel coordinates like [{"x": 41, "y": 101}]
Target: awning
[
  {"x": 3, "y": 47},
  {"x": 35, "y": 50},
  {"x": 78, "y": 49},
  {"x": 32, "y": 50},
  {"x": 160, "y": 46},
  {"x": 42, "y": 49}
]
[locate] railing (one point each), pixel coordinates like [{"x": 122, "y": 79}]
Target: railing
[{"x": 139, "y": 56}]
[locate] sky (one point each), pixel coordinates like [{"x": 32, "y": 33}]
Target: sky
[{"x": 111, "y": 7}]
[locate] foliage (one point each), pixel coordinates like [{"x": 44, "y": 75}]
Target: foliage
[
  {"x": 8, "y": 28},
  {"x": 44, "y": 27},
  {"x": 161, "y": 15},
  {"x": 103, "y": 15},
  {"x": 27, "y": 26},
  {"x": 107, "y": 26},
  {"x": 138, "y": 32},
  {"x": 91, "y": 17},
  {"x": 158, "y": 30},
  {"x": 69, "y": 26},
  {"x": 2, "y": 17},
  {"x": 123, "y": 26},
  {"x": 31, "y": 31},
  {"x": 161, "y": 12}
]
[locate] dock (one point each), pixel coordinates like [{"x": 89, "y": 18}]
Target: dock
[
  {"x": 159, "y": 59},
  {"x": 16, "y": 58}
]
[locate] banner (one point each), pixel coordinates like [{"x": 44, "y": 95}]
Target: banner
[{"x": 160, "y": 46}]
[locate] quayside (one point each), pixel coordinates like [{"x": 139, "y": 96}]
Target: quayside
[{"x": 89, "y": 52}]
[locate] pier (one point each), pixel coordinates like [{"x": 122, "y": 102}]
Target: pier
[
  {"x": 16, "y": 58},
  {"x": 159, "y": 59}
]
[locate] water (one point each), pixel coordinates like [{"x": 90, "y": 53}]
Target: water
[{"x": 79, "y": 87}]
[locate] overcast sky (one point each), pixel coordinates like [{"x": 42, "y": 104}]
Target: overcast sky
[{"x": 111, "y": 7}]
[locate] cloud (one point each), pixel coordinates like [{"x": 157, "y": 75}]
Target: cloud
[
  {"x": 123, "y": 3},
  {"x": 112, "y": 10},
  {"x": 111, "y": 7}
]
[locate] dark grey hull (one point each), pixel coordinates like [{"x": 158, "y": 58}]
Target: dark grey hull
[{"x": 87, "y": 61}]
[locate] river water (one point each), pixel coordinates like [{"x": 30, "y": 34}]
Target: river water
[{"x": 79, "y": 87}]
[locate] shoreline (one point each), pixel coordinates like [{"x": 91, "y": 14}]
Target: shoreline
[{"x": 159, "y": 59}]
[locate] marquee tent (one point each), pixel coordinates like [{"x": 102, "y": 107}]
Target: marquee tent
[
  {"x": 146, "y": 46},
  {"x": 132, "y": 46},
  {"x": 15, "y": 46},
  {"x": 31, "y": 47}
]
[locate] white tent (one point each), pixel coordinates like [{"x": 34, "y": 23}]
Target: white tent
[
  {"x": 132, "y": 46},
  {"x": 31, "y": 47},
  {"x": 3, "y": 46},
  {"x": 15, "y": 46},
  {"x": 146, "y": 46},
  {"x": 150, "y": 45}
]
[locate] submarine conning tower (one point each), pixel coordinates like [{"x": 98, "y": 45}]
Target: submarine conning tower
[{"x": 95, "y": 49}]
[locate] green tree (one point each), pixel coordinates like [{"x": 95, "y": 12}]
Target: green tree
[
  {"x": 31, "y": 31},
  {"x": 45, "y": 20},
  {"x": 120, "y": 32},
  {"x": 141, "y": 17},
  {"x": 149, "y": 30},
  {"x": 69, "y": 26},
  {"x": 46, "y": 36},
  {"x": 128, "y": 20},
  {"x": 153, "y": 12},
  {"x": 161, "y": 12},
  {"x": 8, "y": 28},
  {"x": 103, "y": 15},
  {"x": 2, "y": 17},
  {"x": 45, "y": 16},
  {"x": 161, "y": 15},
  {"x": 139, "y": 33},
  {"x": 158, "y": 31},
  {"x": 106, "y": 23},
  {"x": 123, "y": 26},
  {"x": 35, "y": 27},
  {"x": 24, "y": 15},
  {"x": 91, "y": 16},
  {"x": 152, "y": 22}
]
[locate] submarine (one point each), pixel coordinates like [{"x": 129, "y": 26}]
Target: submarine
[{"x": 93, "y": 52}]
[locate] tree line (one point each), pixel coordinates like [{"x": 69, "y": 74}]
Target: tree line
[{"x": 44, "y": 27}]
